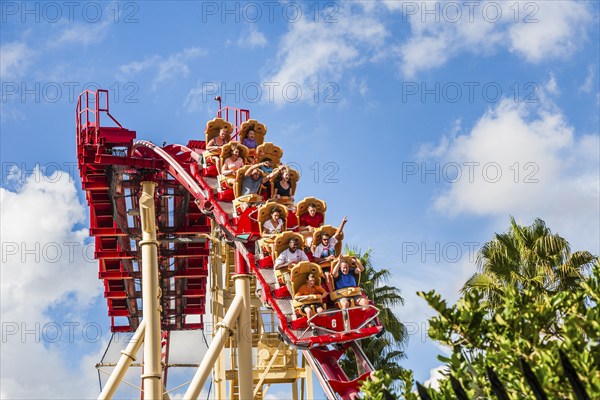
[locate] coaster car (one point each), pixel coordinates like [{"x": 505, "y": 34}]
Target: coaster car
[
  {"x": 213, "y": 127},
  {"x": 348, "y": 292},
  {"x": 330, "y": 326},
  {"x": 281, "y": 243},
  {"x": 302, "y": 206},
  {"x": 239, "y": 199},
  {"x": 299, "y": 276},
  {"x": 286, "y": 200},
  {"x": 225, "y": 190},
  {"x": 245, "y": 207},
  {"x": 316, "y": 239},
  {"x": 269, "y": 150},
  {"x": 260, "y": 131},
  {"x": 305, "y": 227},
  {"x": 346, "y": 321},
  {"x": 264, "y": 214}
]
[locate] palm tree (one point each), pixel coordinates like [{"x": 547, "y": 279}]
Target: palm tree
[
  {"x": 528, "y": 256},
  {"x": 386, "y": 351}
]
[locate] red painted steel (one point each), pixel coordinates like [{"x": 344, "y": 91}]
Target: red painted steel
[
  {"x": 112, "y": 165},
  {"x": 239, "y": 115}
]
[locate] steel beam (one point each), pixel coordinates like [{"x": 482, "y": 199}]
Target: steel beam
[
  {"x": 127, "y": 357},
  {"x": 152, "y": 377},
  {"x": 244, "y": 339},
  {"x": 225, "y": 329}
]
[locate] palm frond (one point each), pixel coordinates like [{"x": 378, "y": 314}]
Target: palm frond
[{"x": 527, "y": 257}]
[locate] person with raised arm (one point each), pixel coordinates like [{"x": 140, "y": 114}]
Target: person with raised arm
[
  {"x": 266, "y": 165},
  {"x": 344, "y": 277},
  {"x": 252, "y": 179},
  {"x": 283, "y": 186},
  {"x": 325, "y": 251}
]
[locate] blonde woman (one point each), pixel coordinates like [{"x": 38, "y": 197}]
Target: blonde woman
[
  {"x": 214, "y": 147},
  {"x": 232, "y": 164}
]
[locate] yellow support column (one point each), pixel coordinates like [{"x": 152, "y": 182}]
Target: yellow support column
[
  {"x": 244, "y": 336},
  {"x": 152, "y": 377},
  {"x": 212, "y": 354},
  {"x": 127, "y": 357},
  {"x": 309, "y": 381},
  {"x": 220, "y": 302}
]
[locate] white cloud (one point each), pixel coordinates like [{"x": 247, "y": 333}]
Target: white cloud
[
  {"x": 534, "y": 31},
  {"x": 169, "y": 68},
  {"x": 252, "y": 38},
  {"x": 15, "y": 58},
  {"x": 200, "y": 97},
  {"x": 590, "y": 78},
  {"x": 11, "y": 112},
  {"x": 280, "y": 394},
  {"x": 175, "y": 65},
  {"x": 313, "y": 52},
  {"x": 435, "y": 375},
  {"x": 359, "y": 85},
  {"x": 84, "y": 34},
  {"x": 525, "y": 160},
  {"x": 43, "y": 269},
  {"x": 424, "y": 52},
  {"x": 135, "y": 67},
  {"x": 553, "y": 31},
  {"x": 393, "y": 5},
  {"x": 552, "y": 86}
]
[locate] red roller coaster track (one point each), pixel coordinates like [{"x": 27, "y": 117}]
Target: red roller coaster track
[{"x": 112, "y": 164}]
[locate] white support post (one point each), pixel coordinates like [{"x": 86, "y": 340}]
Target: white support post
[
  {"x": 152, "y": 377},
  {"x": 244, "y": 339},
  {"x": 309, "y": 381},
  {"x": 127, "y": 357},
  {"x": 225, "y": 330}
]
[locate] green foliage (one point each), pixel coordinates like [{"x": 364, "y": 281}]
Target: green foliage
[
  {"x": 523, "y": 323},
  {"x": 379, "y": 387},
  {"x": 382, "y": 386},
  {"x": 532, "y": 299},
  {"x": 374, "y": 284},
  {"x": 528, "y": 257},
  {"x": 385, "y": 352}
]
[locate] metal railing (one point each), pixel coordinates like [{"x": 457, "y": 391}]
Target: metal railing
[
  {"x": 239, "y": 115},
  {"x": 87, "y": 114}
]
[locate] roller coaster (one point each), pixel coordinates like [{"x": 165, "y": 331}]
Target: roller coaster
[{"x": 168, "y": 228}]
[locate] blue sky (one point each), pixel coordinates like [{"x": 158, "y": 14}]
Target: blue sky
[{"x": 427, "y": 124}]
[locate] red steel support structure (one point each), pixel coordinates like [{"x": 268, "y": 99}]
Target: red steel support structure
[{"x": 113, "y": 166}]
